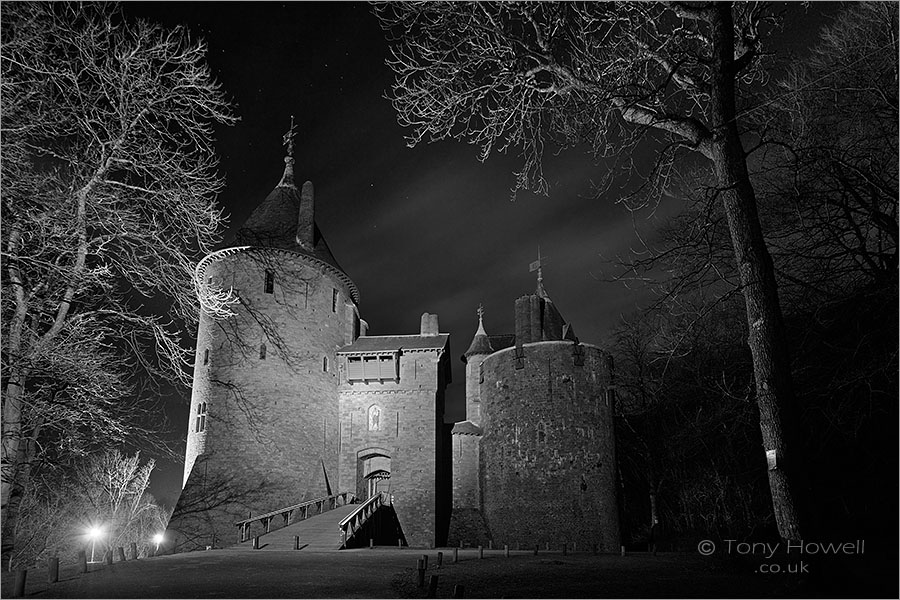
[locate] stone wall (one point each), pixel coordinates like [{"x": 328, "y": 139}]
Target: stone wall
[{"x": 548, "y": 454}]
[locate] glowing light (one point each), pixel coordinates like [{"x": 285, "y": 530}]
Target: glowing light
[
  {"x": 94, "y": 532},
  {"x": 158, "y": 538}
]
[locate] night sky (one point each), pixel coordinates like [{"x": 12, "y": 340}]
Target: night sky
[{"x": 424, "y": 229}]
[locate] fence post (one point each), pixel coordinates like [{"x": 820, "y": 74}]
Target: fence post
[
  {"x": 459, "y": 591},
  {"x": 480, "y": 551},
  {"x": 623, "y": 550},
  {"x": 19, "y": 589},
  {"x": 564, "y": 549},
  {"x": 121, "y": 552},
  {"x": 399, "y": 542},
  {"x": 296, "y": 542},
  {"x": 53, "y": 569},
  {"x": 440, "y": 559},
  {"x": 82, "y": 562},
  {"x": 456, "y": 555},
  {"x": 371, "y": 543},
  {"x": 108, "y": 556},
  {"x": 425, "y": 560},
  {"x": 420, "y": 567},
  {"x": 432, "y": 586},
  {"x": 134, "y": 554},
  {"x": 506, "y": 550},
  {"x": 535, "y": 549},
  {"x": 256, "y": 543}
]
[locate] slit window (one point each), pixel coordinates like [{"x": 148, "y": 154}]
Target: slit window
[
  {"x": 206, "y": 356},
  {"x": 270, "y": 281},
  {"x": 201, "y": 418},
  {"x": 541, "y": 433},
  {"x": 262, "y": 352},
  {"x": 325, "y": 364},
  {"x": 334, "y": 300}
]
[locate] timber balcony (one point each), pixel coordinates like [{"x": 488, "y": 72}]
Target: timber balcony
[{"x": 297, "y": 512}]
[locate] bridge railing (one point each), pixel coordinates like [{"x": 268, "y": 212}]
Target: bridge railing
[
  {"x": 303, "y": 511},
  {"x": 355, "y": 520}
]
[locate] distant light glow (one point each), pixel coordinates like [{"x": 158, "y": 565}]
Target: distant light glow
[
  {"x": 95, "y": 532},
  {"x": 158, "y": 538}
]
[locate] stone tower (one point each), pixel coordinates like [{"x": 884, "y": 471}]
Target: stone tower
[
  {"x": 264, "y": 425},
  {"x": 538, "y": 465},
  {"x": 392, "y": 435}
]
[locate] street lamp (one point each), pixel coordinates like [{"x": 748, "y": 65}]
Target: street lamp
[
  {"x": 94, "y": 533},
  {"x": 158, "y": 538}
]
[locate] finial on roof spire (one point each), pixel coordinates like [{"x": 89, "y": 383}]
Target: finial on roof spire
[
  {"x": 537, "y": 266},
  {"x": 480, "y": 312},
  {"x": 287, "y": 140}
]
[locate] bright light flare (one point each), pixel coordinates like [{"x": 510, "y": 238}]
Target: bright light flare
[
  {"x": 94, "y": 532},
  {"x": 158, "y": 538}
]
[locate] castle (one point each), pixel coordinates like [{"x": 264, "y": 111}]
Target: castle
[{"x": 292, "y": 401}]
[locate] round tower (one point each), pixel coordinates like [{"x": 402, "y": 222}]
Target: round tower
[
  {"x": 263, "y": 427},
  {"x": 473, "y": 357},
  {"x": 547, "y": 452}
]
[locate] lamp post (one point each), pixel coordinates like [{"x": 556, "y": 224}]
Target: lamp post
[
  {"x": 94, "y": 533},
  {"x": 158, "y": 538}
]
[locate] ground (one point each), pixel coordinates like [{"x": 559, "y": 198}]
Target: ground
[{"x": 391, "y": 573}]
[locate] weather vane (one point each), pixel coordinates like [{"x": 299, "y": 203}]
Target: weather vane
[
  {"x": 537, "y": 266},
  {"x": 288, "y": 139}
]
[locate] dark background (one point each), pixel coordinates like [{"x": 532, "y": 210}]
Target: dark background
[{"x": 425, "y": 229}]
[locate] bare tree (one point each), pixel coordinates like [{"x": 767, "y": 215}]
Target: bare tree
[
  {"x": 106, "y": 490},
  {"x": 610, "y": 76},
  {"x": 109, "y": 180}
]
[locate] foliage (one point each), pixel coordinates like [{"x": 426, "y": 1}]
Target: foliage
[{"x": 109, "y": 182}]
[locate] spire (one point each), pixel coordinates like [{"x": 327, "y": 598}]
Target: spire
[
  {"x": 287, "y": 140},
  {"x": 480, "y": 343},
  {"x": 537, "y": 266},
  {"x": 480, "y": 312}
]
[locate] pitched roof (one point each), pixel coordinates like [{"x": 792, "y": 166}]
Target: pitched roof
[
  {"x": 274, "y": 223},
  {"x": 394, "y": 343}
]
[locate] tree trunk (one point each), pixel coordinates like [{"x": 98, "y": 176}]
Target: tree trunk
[{"x": 767, "y": 340}]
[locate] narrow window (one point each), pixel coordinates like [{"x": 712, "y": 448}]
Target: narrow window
[
  {"x": 541, "y": 433},
  {"x": 206, "y": 356},
  {"x": 325, "y": 364},
  {"x": 201, "y": 417},
  {"x": 270, "y": 281},
  {"x": 262, "y": 351},
  {"x": 334, "y": 300}
]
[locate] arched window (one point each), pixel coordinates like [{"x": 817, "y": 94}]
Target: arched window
[
  {"x": 270, "y": 281},
  {"x": 262, "y": 351}
]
